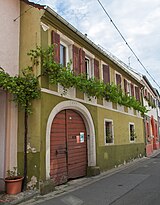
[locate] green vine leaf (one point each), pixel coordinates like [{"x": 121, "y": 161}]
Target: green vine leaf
[{"x": 92, "y": 87}]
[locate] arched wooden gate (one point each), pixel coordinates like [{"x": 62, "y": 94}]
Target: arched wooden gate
[{"x": 68, "y": 151}]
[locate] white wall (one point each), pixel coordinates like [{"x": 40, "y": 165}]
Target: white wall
[
  {"x": 2, "y": 136},
  {"x": 9, "y": 61},
  {"x": 9, "y": 35},
  {"x": 152, "y": 111}
]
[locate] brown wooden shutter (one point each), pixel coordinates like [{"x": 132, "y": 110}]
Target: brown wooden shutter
[
  {"x": 125, "y": 86},
  {"x": 132, "y": 89},
  {"x": 151, "y": 99},
  {"x": 55, "y": 39},
  {"x": 106, "y": 74},
  {"x": 118, "y": 80},
  {"x": 82, "y": 61},
  {"x": 76, "y": 64},
  {"x": 96, "y": 68},
  {"x": 137, "y": 93},
  {"x": 149, "y": 96},
  {"x": 145, "y": 93}
]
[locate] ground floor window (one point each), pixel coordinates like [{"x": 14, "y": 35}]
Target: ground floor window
[
  {"x": 108, "y": 131},
  {"x": 132, "y": 134}
]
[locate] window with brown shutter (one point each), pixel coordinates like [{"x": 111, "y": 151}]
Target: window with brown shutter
[
  {"x": 76, "y": 61},
  {"x": 55, "y": 40},
  {"x": 132, "y": 90},
  {"x": 145, "y": 93},
  {"x": 137, "y": 93},
  {"x": 118, "y": 80},
  {"x": 125, "y": 86},
  {"x": 96, "y": 68},
  {"x": 149, "y": 96},
  {"x": 82, "y": 61},
  {"x": 106, "y": 73}
]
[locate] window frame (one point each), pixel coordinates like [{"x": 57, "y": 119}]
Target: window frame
[
  {"x": 137, "y": 93},
  {"x": 67, "y": 42},
  {"x": 66, "y": 51},
  {"x": 112, "y": 129},
  {"x": 128, "y": 88},
  {"x": 90, "y": 68},
  {"x": 102, "y": 72},
  {"x": 116, "y": 73},
  {"x": 91, "y": 57},
  {"x": 131, "y": 124}
]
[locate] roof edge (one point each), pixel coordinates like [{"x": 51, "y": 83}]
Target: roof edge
[{"x": 36, "y": 5}]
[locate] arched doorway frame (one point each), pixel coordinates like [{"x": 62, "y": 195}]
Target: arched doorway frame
[{"x": 85, "y": 114}]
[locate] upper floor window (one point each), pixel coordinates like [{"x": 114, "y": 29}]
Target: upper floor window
[
  {"x": 63, "y": 55},
  {"x": 61, "y": 49},
  {"x": 78, "y": 60},
  {"x": 127, "y": 87},
  {"x": 106, "y": 73},
  {"x": 88, "y": 67},
  {"x": 132, "y": 90},
  {"x": 118, "y": 80},
  {"x": 96, "y": 68},
  {"x": 55, "y": 40},
  {"x": 145, "y": 93},
  {"x": 108, "y": 131},
  {"x": 137, "y": 93}
]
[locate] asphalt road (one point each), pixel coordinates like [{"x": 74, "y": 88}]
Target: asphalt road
[{"x": 135, "y": 185}]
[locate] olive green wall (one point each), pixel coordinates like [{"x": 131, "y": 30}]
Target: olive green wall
[
  {"x": 112, "y": 156},
  {"x": 34, "y": 141},
  {"x": 121, "y": 126},
  {"x": 30, "y": 37},
  {"x": 122, "y": 150}
]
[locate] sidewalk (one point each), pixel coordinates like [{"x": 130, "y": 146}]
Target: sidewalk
[{"x": 6, "y": 199}]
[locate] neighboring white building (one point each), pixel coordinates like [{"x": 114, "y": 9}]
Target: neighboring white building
[
  {"x": 9, "y": 61},
  {"x": 151, "y": 121},
  {"x": 158, "y": 112},
  {"x": 151, "y": 100}
]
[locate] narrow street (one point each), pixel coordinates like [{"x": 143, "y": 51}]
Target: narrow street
[{"x": 138, "y": 183}]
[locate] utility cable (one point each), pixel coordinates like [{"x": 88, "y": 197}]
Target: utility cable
[
  {"x": 26, "y": 10},
  {"x": 127, "y": 44}
]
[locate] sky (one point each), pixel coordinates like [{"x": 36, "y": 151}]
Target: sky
[{"x": 137, "y": 20}]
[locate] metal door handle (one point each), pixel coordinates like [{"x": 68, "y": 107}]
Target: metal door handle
[{"x": 61, "y": 152}]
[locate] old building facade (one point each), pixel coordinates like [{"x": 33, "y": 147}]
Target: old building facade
[{"x": 71, "y": 135}]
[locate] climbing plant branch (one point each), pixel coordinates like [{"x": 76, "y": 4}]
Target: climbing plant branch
[
  {"x": 92, "y": 87},
  {"x": 24, "y": 88}
]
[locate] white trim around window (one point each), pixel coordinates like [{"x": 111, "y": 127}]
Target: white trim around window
[
  {"x": 115, "y": 80},
  {"x": 109, "y": 123},
  {"x": 132, "y": 136}
]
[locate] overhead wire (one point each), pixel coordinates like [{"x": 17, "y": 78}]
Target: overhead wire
[
  {"x": 127, "y": 43},
  {"x": 26, "y": 10}
]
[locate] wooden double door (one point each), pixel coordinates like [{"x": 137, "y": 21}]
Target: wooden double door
[{"x": 68, "y": 151}]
